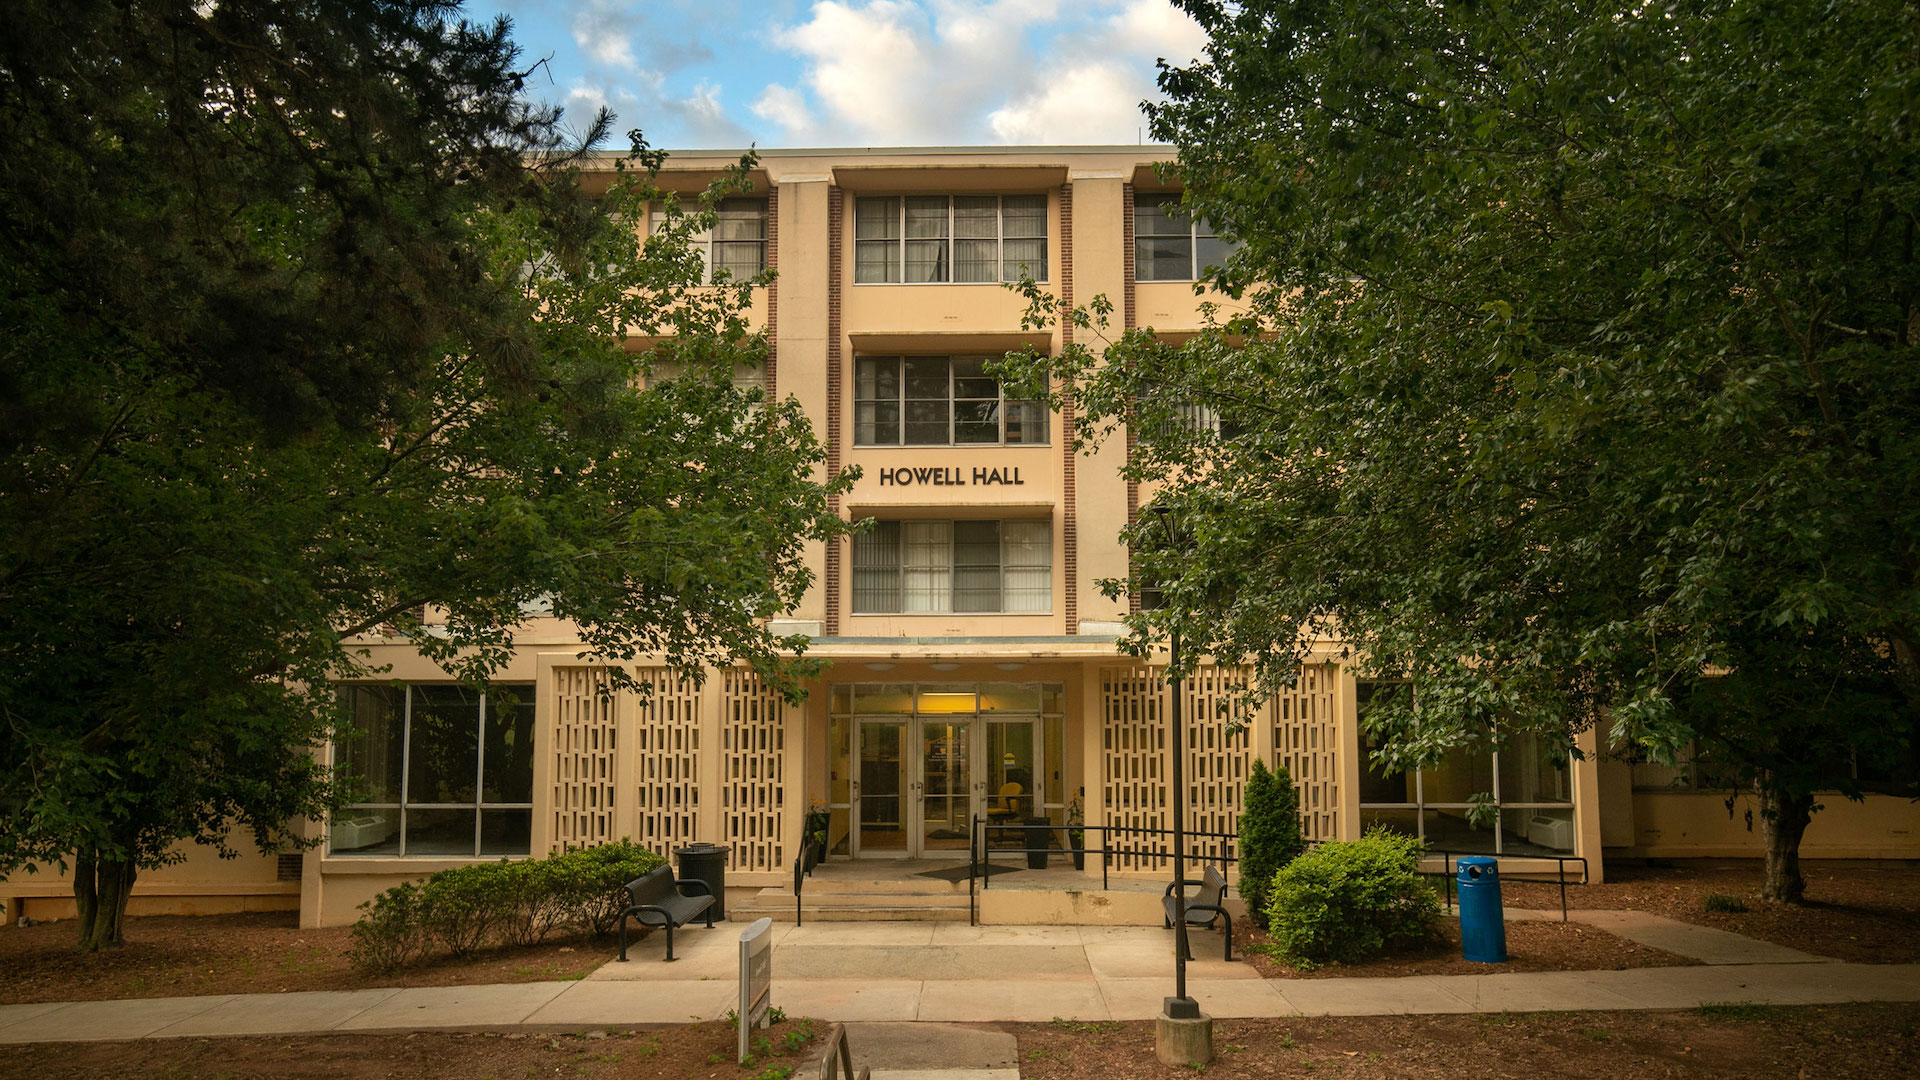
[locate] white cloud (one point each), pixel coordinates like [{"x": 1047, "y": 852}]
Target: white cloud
[
  {"x": 1086, "y": 103},
  {"x": 787, "y": 107},
  {"x": 1153, "y": 29},
  {"x": 604, "y": 35},
  {"x": 906, "y": 72}
]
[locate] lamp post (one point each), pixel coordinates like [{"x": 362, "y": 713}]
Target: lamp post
[
  {"x": 1179, "y": 1006},
  {"x": 1182, "y": 1034}
]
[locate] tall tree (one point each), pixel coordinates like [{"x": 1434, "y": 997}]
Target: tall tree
[
  {"x": 311, "y": 329},
  {"x": 1583, "y": 369}
]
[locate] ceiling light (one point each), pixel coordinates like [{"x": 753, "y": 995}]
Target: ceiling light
[{"x": 879, "y": 667}]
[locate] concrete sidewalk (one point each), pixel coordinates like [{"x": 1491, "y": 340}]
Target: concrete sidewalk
[{"x": 951, "y": 972}]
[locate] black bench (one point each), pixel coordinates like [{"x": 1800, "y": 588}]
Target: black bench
[
  {"x": 1203, "y": 905},
  {"x": 660, "y": 900}
]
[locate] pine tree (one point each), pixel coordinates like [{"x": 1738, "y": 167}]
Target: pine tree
[{"x": 1269, "y": 835}]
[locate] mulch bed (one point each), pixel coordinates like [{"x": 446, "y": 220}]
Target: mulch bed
[
  {"x": 262, "y": 953},
  {"x": 1531, "y": 946},
  {"x": 1858, "y": 913},
  {"x": 1840, "y": 1041},
  {"x": 691, "y": 1050},
  {"x": 1738, "y": 1043}
]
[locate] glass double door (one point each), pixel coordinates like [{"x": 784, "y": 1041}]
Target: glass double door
[{"x": 921, "y": 780}]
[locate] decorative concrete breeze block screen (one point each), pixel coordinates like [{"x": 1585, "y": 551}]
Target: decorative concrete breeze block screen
[
  {"x": 665, "y": 730},
  {"x": 1306, "y": 739},
  {"x": 583, "y": 760},
  {"x": 666, "y": 761},
  {"x": 753, "y": 783},
  {"x": 1137, "y": 770}
]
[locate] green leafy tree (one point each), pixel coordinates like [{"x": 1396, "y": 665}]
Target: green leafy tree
[
  {"x": 311, "y": 326},
  {"x": 1582, "y": 369},
  {"x": 1270, "y": 835}
]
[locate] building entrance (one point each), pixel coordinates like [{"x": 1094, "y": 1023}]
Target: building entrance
[{"x": 918, "y": 776}]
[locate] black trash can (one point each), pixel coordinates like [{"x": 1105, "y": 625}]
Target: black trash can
[
  {"x": 708, "y": 863},
  {"x": 1039, "y": 834}
]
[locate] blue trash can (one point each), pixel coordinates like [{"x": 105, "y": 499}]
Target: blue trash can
[{"x": 1483, "y": 926}]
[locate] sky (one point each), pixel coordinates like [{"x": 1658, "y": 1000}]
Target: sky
[{"x": 725, "y": 74}]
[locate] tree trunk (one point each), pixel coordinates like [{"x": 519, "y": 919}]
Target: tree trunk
[
  {"x": 1783, "y": 821},
  {"x": 100, "y": 891}
]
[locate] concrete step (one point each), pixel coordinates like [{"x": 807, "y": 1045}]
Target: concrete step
[
  {"x": 908, "y": 886},
  {"x": 846, "y": 913},
  {"x": 780, "y": 897}
]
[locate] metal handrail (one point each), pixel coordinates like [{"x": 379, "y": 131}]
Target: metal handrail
[
  {"x": 980, "y": 853},
  {"x": 838, "y": 1054}
]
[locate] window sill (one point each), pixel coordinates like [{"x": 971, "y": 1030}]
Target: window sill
[{"x": 937, "y": 284}]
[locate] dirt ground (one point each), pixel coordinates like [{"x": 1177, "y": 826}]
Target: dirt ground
[
  {"x": 1844, "y": 1041},
  {"x": 1858, "y": 913},
  {"x": 1531, "y": 946},
  {"x": 1841, "y": 1042},
  {"x": 682, "y": 1051},
  {"x": 263, "y": 953}
]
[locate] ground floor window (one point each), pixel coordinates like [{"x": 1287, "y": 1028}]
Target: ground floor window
[
  {"x": 1532, "y": 794},
  {"x": 442, "y": 771}
]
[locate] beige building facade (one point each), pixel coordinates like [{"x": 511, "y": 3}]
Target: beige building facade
[{"x": 972, "y": 663}]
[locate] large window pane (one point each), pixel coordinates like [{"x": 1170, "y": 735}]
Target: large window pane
[
  {"x": 976, "y": 260},
  {"x": 440, "y": 832},
  {"x": 927, "y": 568},
  {"x": 443, "y": 752},
  {"x": 1529, "y": 775},
  {"x": 507, "y": 752},
  {"x": 976, "y": 216},
  {"x": 1026, "y": 423},
  {"x": 1163, "y": 259},
  {"x": 876, "y": 568},
  {"x": 876, "y": 394},
  {"x": 1024, "y": 257},
  {"x": 1028, "y": 575},
  {"x": 372, "y": 754},
  {"x": 927, "y": 393},
  {"x": 365, "y": 831},
  {"x": 506, "y": 832},
  {"x": 976, "y": 566},
  {"x": 876, "y": 219},
  {"x": 876, "y": 262}
]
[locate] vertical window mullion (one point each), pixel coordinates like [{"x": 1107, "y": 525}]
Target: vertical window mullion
[
  {"x": 1000, "y": 265},
  {"x": 479, "y": 767},
  {"x": 950, "y": 399},
  {"x": 406, "y": 767}
]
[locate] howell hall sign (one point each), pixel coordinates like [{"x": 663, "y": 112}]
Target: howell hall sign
[{"x": 947, "y": 476}]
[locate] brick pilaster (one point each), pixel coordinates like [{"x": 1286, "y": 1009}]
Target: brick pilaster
[{"x": 836, "y": 216}]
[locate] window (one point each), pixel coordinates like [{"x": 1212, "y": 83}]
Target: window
[
  {"x": 1169, "y": 245},
  {"x": 923, "y": 567},
  {"x": 444, "y": 771},
  {"x": 1532, "y": 794},
  {"x": 929, "y": 238},
  {"x": 938, "y": 401},
  {"x": 736, "y": 244}
]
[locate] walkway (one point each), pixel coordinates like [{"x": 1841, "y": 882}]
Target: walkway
[{"x": 957, "y": 973}]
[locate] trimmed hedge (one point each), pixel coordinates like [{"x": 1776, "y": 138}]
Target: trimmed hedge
[
  {"x": 1341, "y": 903},
  {"x": 1269, "y": 835},
  {"x": 456, "y": 912}
]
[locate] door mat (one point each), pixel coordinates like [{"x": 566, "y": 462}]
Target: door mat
[{"x": 957, "y": 874}]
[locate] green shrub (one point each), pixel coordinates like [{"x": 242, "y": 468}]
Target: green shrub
[
  {"x": 1724, "y": 904},
  {"x": 389, "y": 936},
  {"x": 593, "y": 881},
  {"x": 519, "y": 902},
  {"x": 1269, "y": 835},
  {"x": 1345, "y": 902}
]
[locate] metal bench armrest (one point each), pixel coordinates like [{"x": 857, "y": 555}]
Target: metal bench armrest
[
  {"x": 1189, "y": 882},
  {"x": 699, "y": 887}
]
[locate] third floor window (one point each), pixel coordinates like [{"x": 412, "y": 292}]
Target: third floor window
[
  {"x": 958, "y": 238},
  {"x": 938, "y": 401},
  {"x": 1170, "y": 245},
  {"x": 737, "y": 242}
]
